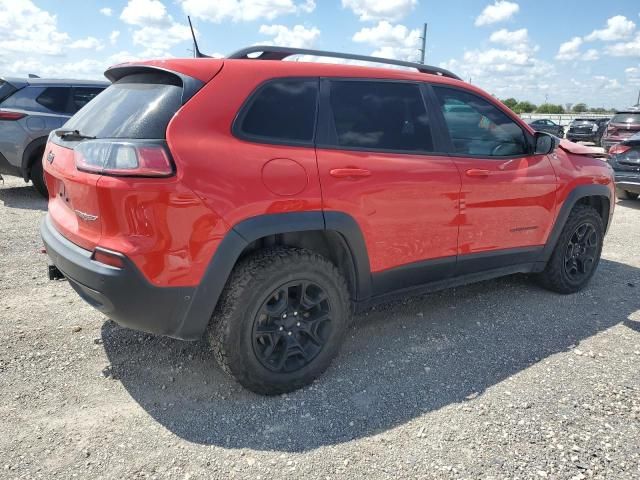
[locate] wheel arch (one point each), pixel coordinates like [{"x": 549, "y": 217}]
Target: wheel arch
[
  {"x": 28, "y": 156},
  {"x": 334, "y": 235},
  {"x": 597, "y": 196}
]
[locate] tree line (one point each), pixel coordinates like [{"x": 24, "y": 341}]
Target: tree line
[{"x": 528, "y": 107}]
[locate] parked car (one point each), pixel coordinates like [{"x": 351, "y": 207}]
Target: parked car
[
  {"x": 587, "y": 129},
  {"x": 624, "y": 157},
  {"x": 622, "y": 125},
  {"x": 29, "y": 110},
  {"x": 308, "y": 190},
  {"x": 549, "y": 126}
]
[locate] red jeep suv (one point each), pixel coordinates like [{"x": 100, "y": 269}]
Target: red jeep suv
[{"x": 259, "y": 202}]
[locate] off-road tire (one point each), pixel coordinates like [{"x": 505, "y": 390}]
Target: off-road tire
[
  {"x": 37, "y": 175},
  {"x": 626, "y": 195},
  {"x": 555, "y": 277},
  {"x": 252, "y": 281}
]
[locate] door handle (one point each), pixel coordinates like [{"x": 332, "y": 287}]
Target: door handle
[
  {"x": 477, "y": 172},
  {"x": 349, "y": 172}
]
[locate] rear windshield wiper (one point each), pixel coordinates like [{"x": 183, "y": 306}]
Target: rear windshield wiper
[{"x": 72, "y": 135}]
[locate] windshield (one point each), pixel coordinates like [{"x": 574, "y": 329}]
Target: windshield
[
  {"x": 136, "y": 106},
  {"x": 626, "y": 118}
]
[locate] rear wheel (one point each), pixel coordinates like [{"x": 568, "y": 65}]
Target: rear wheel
[
  {"x": 577, "y": 253},
  {"x": 626, "y": 194},
  {"x": 37, "y": 174},
  {"x": 280, "y": 320}
]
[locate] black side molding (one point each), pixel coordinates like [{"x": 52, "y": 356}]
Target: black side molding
[{"x": 241, "y": 235}]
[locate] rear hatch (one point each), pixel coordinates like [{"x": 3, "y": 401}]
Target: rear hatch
[
  {"x": 107, "y": 137},
  {"x": 624, "y": 125},
  {"x": 583, "y": 127}
]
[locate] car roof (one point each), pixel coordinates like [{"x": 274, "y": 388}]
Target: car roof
[{"x": 17, "y": 81}]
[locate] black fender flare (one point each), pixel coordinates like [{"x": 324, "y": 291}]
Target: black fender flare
[
  {"x": 579, "y": 192},
  {"x": 26, "y": 156},
  {"x": 208, "y": 292}
]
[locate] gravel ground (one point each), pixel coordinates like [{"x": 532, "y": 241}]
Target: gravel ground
[{"x": 495, "y": 380}]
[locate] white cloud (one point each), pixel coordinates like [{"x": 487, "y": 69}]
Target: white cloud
[
  {"x": 89, "y": 42},
  {"x": 569, "y": 50},
  {"x": 25, "y": 28},
  {"x": 107, "y": 12},
  {"x": 389, "y": 10},
  {"x": 145, "y": 13},
  {"x": 618, "y": 28},
  {"x": 591, "y": 55},
  {"x": 244, "y": 10},
  {"x": 626, "y": 49},
  {"x": 113, "y": 37},
  {"x": 515, "y": 40},
  {"x": 158, "y": 32},
  {"x": 499, "y": 11},
  {"x": 297, "y": 37},
  {"x": 391, "y": 41}
]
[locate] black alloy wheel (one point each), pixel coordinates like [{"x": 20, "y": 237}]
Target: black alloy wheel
[
  {"x": 292, "y": 326},
  {"x": 581, "y": 252}
]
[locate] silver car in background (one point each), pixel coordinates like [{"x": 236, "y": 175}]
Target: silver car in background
[{"x": 29, "y": 109}]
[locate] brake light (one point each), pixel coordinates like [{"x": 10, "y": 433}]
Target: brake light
[
  {"x": 129, "y": 159},
  {"x": 618, "y": 149},
  {"x": 8, "y": 115},
  {"x": 611, "y": 129},
  {"x": 108, "y": 258}
]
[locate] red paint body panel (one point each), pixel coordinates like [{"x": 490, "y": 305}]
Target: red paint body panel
[
  {"x": 410, "y": 208},
  {"x": 407, "y": 208},
  {"x": 512, "y": 206}
]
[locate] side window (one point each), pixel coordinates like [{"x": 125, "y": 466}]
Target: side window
[
  {"x": 477, "y": 127},
  {"x": 281, "y": 111},
  {"x": 380, "y": 115},
  {"x": 55, "y": 99},
  {"x": 81, "y": 96}
]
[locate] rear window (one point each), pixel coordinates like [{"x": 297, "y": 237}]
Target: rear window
[
  {"x": 281, "y": 111},
  {"x": 626, "y": 118},
  {"x": 136, "y": 106}
]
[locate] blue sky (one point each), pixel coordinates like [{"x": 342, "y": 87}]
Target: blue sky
[{"x": 566, "y": 51}]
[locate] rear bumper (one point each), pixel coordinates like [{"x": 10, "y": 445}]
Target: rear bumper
[
  {"x": 582, "y": 137},
  {"x": 628, "y": 182},
  {"x": 123, "y": 295},
  {"x": 7, "y": 168}
]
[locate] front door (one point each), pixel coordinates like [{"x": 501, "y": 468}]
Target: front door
[
  {"x": 378, "y": 162},
  {"x": 508, "y": 193}
]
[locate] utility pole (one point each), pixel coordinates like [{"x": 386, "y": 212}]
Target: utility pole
[
  {"x": 637, "y": 103},
  {"x": 424, "y": 44}
]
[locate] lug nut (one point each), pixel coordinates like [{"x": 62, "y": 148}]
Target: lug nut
[
  {"x": 281, "y": 328},
  {"x": 284, "y": 315},
  {"x": 289, "y": 333},
  {"x": 298, "y": 324},
  {"x": 295, "y": 314}
]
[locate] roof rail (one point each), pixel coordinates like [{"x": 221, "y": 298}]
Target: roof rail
[{"x": 268, "y": 52}]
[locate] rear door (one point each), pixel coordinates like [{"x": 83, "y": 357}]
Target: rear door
[
  {"x": 380, "y": 161},
  {"x": 508, "y": 194}
]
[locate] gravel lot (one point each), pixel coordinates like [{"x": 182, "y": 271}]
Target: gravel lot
[{"x": 495, "y": 380}]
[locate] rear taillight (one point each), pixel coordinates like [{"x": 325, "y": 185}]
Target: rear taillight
[
  {"x": 618, "y": 149},
  {"x": 8, "y": 115},
  {"x": 131, "y": 159},
  {"x": 611, "y": 129}
]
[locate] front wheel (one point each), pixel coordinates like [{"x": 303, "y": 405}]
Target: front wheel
[
  {"x": 281, "y": 319},
  {"x": 576, "y": 255}
]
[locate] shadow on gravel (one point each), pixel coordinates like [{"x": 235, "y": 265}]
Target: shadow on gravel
[
  {"x": 635, "y": 204},
  {"x": 399, "y": 361},
  {"x": 25, "y": 198}
]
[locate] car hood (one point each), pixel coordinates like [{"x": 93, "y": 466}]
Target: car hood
[{"x": 578, "y": 149}]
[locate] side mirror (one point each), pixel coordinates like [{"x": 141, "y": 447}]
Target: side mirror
[{"x": 545, "y": 143}]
